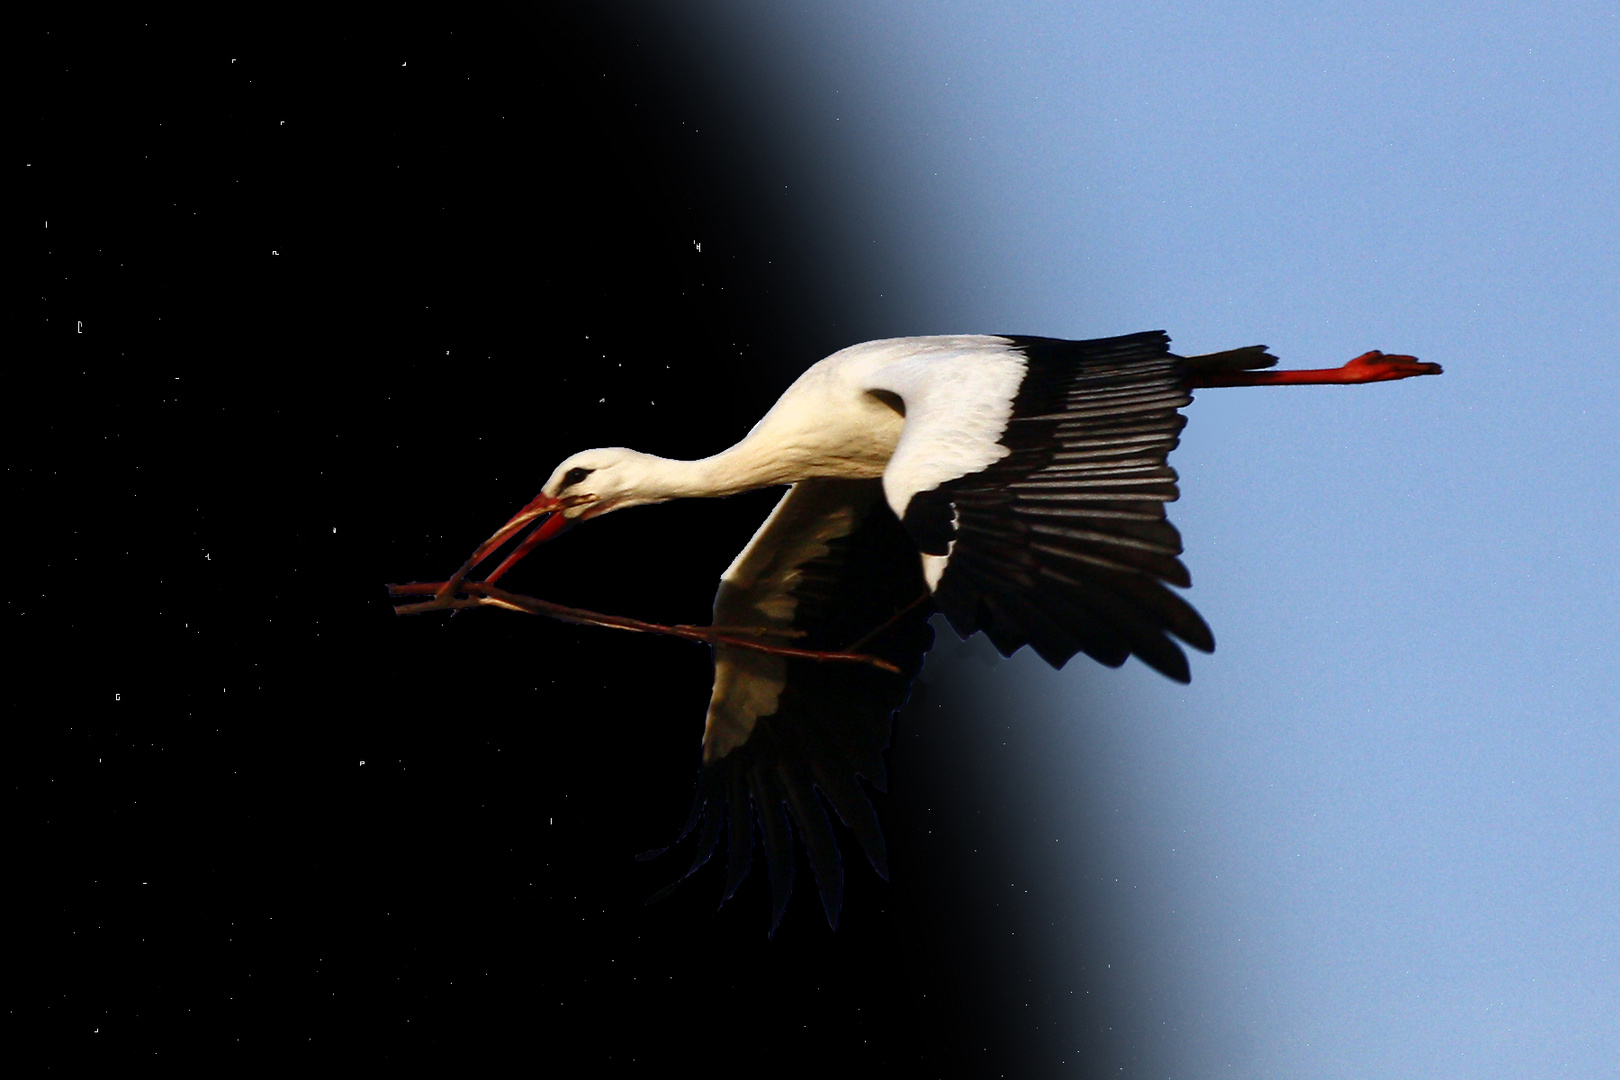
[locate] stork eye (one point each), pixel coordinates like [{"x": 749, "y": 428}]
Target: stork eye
[{"x": 574, "y": 476}]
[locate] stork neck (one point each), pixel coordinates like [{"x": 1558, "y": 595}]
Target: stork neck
[{"x": 744, "y": 467}]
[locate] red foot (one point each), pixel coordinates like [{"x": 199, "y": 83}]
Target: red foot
[
  {"x": 1368, "y": 367},
  {"x": 1376, "y": 367}
]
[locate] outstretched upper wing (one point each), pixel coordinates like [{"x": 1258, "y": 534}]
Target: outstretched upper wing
[
  {"x": 832, "y": 570},
  {"x": 1034, "y": 481}
]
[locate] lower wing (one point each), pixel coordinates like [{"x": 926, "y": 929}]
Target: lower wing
[{"x": 832, "y": 570}]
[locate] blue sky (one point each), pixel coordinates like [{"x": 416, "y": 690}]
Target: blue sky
[{"x": 1379, "y": 834}]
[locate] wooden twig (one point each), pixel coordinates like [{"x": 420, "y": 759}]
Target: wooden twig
[
  {"x": 470, "y": 594},
  {"x": 890, "y": 621}
]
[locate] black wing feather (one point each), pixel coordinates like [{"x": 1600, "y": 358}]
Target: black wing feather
[
  {"x": 740, "y": 845},
  {"x": 770, "y": 801},
  {"x": 1063, "y": 543}
]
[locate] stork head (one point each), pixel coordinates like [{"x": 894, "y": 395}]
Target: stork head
[
  {"x": 594, "y": 482},
  {"x": 587, "y": 485}
]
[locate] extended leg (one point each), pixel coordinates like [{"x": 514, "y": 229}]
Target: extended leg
[{"x": 1368, "y": 367}]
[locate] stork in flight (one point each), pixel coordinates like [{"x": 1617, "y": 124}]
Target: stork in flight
[{"x": 1016, "y": 485}]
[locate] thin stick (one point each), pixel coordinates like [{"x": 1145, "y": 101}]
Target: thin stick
[
  {"x": 890, "y": 621},
  {"x": 482, "y": 594}
]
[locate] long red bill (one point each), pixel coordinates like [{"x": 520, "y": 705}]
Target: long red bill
[
  {"x": 540, "y": 506},
  {"x": 553, "y": 526}
]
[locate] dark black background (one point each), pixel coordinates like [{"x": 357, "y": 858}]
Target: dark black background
[{"x": 321, "y": 299}]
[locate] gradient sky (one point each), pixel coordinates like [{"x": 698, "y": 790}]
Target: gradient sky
[{"x": 1379, "y": 834}]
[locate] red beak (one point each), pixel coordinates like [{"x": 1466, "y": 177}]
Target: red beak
[{"x": 539, "y": 507}]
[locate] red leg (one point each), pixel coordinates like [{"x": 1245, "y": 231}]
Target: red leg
[{"x": 1368, "y": 367}]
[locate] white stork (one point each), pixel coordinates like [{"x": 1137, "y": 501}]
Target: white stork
[{"x": 1016, "y": 485}]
